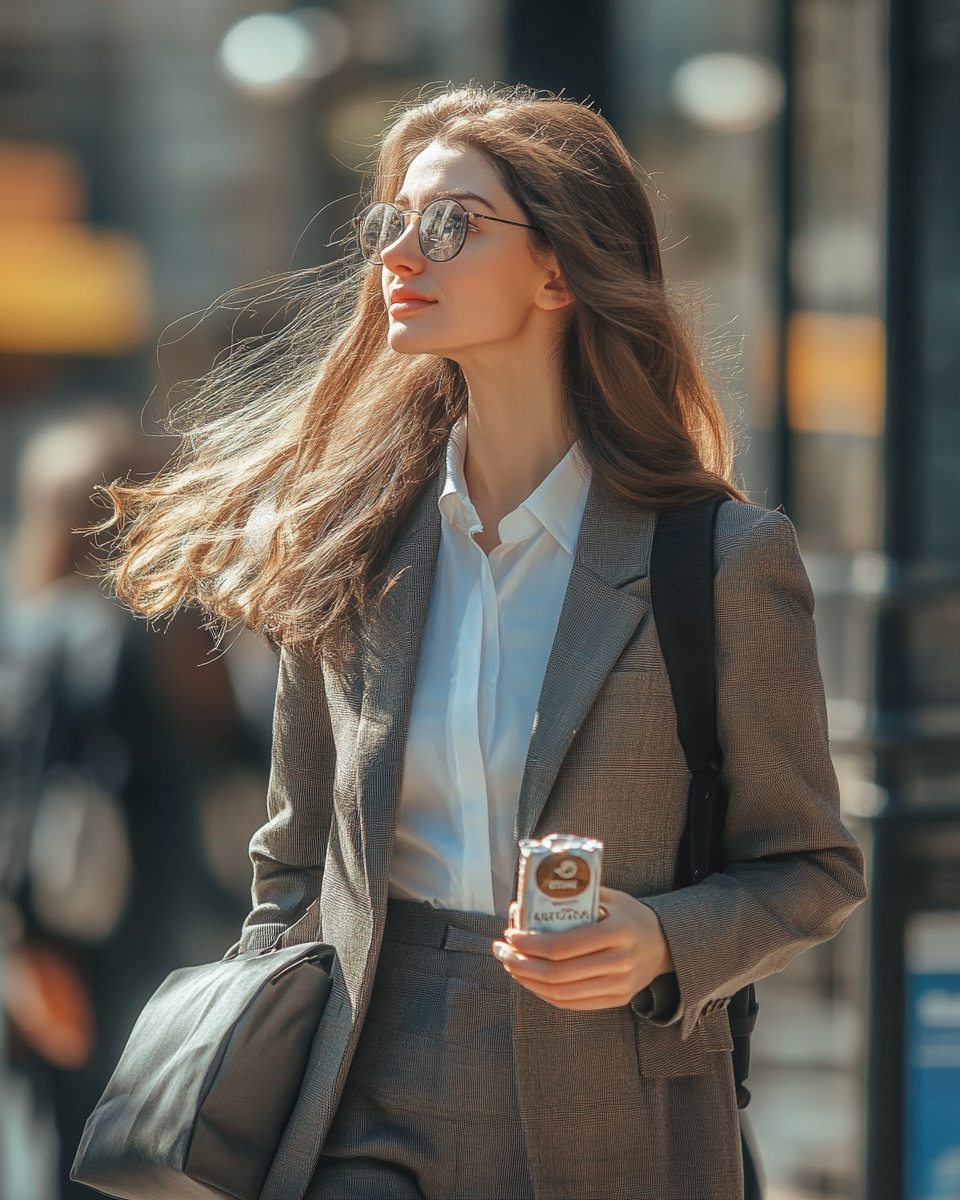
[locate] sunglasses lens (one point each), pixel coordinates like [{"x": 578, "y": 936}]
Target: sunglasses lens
[
  {"x": 443, "y": 227},
  {"x": 380, "y": 226}
]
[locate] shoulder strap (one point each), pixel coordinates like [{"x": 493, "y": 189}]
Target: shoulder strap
[
  {"x": 681, "y": 589},
  {"x": 682, "y": 570}
]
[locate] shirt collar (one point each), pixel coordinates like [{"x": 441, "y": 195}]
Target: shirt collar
[
  {"x": 455, "y": 483},
  {"x": 557, "y": 504}
]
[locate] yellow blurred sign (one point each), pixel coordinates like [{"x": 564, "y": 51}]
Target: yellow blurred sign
[
  {"x": 835, "y": 373},
  {"x": 64, "y": 288}
]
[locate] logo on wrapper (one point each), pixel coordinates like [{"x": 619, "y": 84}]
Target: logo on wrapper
[{"x": 562, "y": 876}]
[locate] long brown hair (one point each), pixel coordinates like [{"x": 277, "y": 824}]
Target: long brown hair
[{"x": 302, "y": 455}]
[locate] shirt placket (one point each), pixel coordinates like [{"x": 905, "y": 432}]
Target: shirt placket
[{"x": 469, "y": 698}]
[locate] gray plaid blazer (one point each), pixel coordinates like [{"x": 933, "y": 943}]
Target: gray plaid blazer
[{"x": 629, "y": 1102}]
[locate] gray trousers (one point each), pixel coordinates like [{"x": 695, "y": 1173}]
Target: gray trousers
[{"x": 430, "y": 1108}]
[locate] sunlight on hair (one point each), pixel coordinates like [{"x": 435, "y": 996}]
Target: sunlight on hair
[{"x": 305, "y": 447}]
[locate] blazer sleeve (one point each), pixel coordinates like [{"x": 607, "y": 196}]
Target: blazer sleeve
[
  {"x": 794, "y": 873},
  {"x": 288, "y": 851}
]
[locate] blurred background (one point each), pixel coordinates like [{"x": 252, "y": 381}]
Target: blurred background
[{"x": 153, "y": 156}]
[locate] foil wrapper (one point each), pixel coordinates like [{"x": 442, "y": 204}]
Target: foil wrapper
[{"x": 559, "y": 884}]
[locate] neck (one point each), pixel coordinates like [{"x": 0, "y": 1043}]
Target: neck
[{"x": 515, "y": 434}]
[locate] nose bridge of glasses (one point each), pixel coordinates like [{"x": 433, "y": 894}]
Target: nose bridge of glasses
[
  {"x": 432, "y": 227},
  {"x": 433, "y": 214}
]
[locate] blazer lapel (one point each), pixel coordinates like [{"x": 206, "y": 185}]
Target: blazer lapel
[
  {"x": 391, "y": 638},
  {"x": 598, "y": 619}
]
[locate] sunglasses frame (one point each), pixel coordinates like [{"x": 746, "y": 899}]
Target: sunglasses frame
[{"x": 413, "y": 212}]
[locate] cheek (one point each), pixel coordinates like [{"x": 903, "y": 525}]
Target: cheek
[{"x": 489, "y": 300}]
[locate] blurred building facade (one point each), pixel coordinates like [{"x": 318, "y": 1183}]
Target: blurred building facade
[
  {"x": 188, "y": 152},
  {"x": 914, "y": 1146}
]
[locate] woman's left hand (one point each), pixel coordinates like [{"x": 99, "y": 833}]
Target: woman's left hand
[{"x": 594, "y": 966}]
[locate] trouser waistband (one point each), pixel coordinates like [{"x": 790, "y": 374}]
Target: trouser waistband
[{"x": 443, "y": 928}]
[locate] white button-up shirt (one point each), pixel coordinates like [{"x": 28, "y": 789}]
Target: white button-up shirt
[{"x": 488, "y": 635}]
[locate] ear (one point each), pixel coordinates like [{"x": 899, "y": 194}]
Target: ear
[{"x": 554, "y": 292}]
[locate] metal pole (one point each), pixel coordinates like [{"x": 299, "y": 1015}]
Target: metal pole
[{"x": 563, "y": 46}]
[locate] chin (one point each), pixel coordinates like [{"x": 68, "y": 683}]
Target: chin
[{"x": 403, "y": 340}]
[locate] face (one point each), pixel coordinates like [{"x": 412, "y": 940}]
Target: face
[{"x": 495, "y": 288}]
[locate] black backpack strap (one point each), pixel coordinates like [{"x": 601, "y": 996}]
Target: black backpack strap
[
  {"x": 682, "y": 569},
  {"x": 681, "y": 589}
]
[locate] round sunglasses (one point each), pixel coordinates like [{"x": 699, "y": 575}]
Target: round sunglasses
[{"x": 441, "y": 232}]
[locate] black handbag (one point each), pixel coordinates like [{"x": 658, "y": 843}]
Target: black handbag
[
  {"x": 681, "y": 590},
  {"x": 209, "y": 1077}
]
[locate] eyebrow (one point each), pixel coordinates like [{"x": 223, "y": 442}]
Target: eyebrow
[{"x": 452, "y": 194}]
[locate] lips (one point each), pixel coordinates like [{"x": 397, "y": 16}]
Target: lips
[{"x": 403, "y": 302}]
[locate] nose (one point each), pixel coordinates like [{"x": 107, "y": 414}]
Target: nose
[{"x": 404, "y": 256}]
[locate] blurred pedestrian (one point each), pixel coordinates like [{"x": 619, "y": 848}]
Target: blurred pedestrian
[
  {"x": 120, "y": 750},
  {"x": 444, "y": 513}
]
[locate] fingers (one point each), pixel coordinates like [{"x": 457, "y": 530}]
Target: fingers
[
  {"x": 600, "y": 974},
  {"x": 590, "y": 966},
  {"x": 604, "y": 980},
  {"x": 572, "y": 943},
  {"x": 607, "y": 992}
]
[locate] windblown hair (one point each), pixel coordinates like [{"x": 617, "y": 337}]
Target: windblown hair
[{"x": 302, "y": 455}]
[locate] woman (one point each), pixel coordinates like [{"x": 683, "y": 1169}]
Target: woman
[{"x": 444, "y": 517}]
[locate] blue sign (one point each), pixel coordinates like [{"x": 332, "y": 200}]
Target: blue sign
[{"x": 933, "y": 1056}]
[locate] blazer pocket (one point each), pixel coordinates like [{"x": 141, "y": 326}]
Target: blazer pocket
[
  {"x": 663, "y": 1053},
  {"x": 715, "y": 1027}
]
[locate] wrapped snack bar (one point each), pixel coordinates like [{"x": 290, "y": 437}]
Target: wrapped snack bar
[{"x": 559, "y": 884}]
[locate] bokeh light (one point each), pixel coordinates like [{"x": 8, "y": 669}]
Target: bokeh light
[
  {"x": 277, "y": 55},
  {"x": 729, "y": 93}
]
